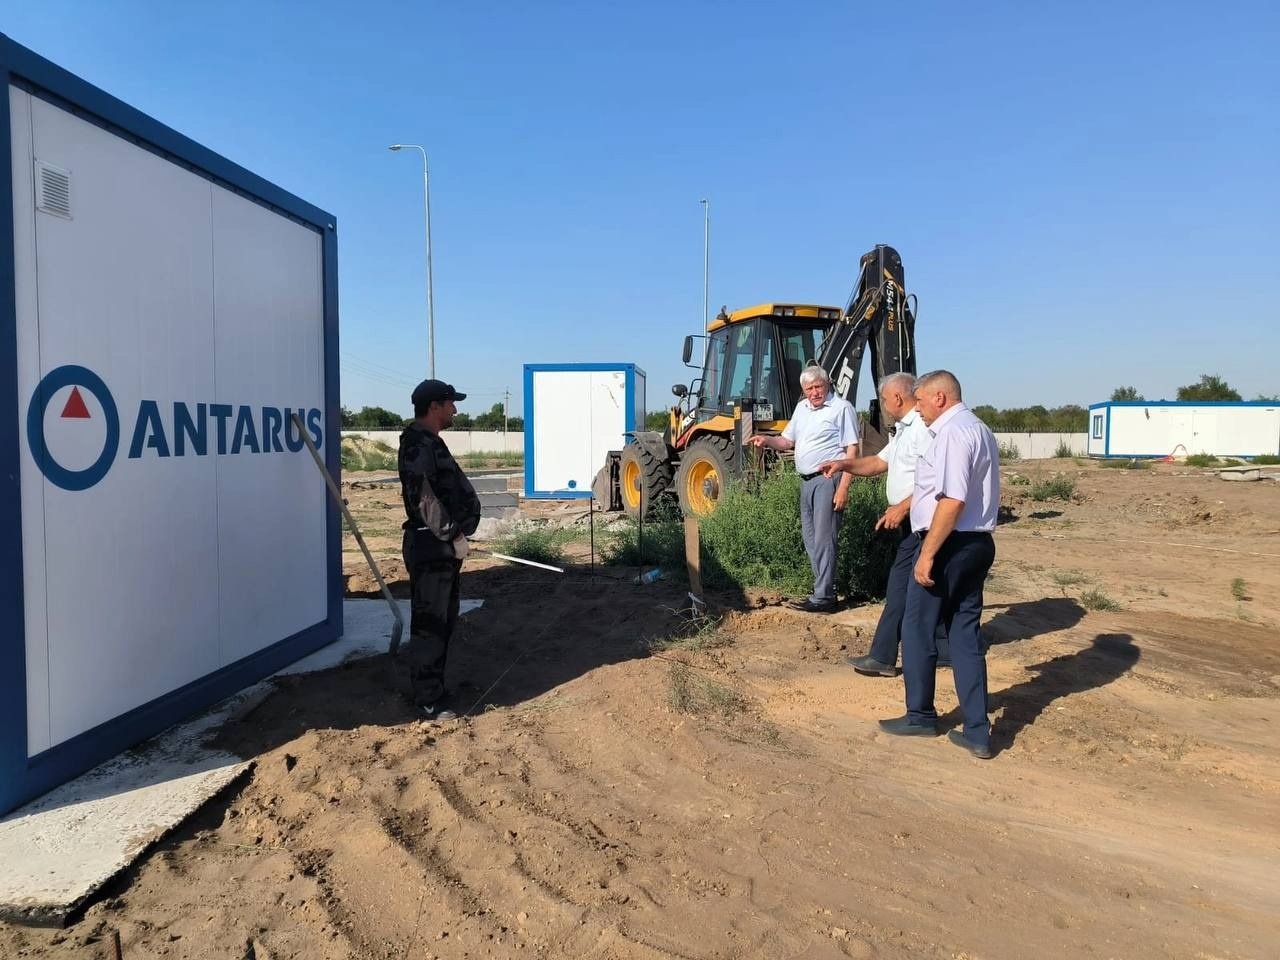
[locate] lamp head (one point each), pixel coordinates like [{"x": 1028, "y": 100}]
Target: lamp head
[{"x": 394, "y": 147}]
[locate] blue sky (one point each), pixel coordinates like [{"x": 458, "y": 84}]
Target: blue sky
[{"x": 1084, "y": 194}]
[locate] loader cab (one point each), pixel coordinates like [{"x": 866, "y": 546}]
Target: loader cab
[{"x": 759, "y": 353}]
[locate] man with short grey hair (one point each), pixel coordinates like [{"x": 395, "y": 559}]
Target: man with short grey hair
[
  {"x": 823, "y": 427},
  {"x": 898, "y": 459}
]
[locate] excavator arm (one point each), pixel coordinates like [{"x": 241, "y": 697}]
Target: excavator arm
[{"x": 878, "y": 315}]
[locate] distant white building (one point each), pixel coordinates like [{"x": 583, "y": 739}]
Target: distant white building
[{"x": 1160, "y": 428}]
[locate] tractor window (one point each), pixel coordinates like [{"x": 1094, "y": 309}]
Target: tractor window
[
  {"x": 771, "y": 380},
  {"x": 719, "y": 341},
  {"x": 740, "y": 359},
  {"x": 799, "y": 346}
]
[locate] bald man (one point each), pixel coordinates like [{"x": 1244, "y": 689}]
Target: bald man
[{"x": 953, "y": 512}]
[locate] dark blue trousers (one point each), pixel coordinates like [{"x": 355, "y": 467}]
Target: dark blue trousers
[
  {"x": 884, "y": 647},
  {"x": 959, "y": 571}
]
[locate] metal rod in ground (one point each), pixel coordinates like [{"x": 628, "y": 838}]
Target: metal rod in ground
[
  {"x": 397, "y": 628},
  {"x": 527, "y": 563},
  {"x": 591, "y": 523}
]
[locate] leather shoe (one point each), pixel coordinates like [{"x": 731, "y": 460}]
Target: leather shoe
[
  {"x": 979, "y": 750},
  {"x": 903, "y": 727},
  {"x": 815, "y": 606},
  {"x": 872, "y": 667}
]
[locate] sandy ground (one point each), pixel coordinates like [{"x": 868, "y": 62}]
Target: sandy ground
[{"x": 731, "y": 798}]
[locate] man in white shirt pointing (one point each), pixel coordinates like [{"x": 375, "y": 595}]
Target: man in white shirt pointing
[{"x": 823, "y": 427}]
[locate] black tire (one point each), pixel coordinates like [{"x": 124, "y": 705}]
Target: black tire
[
  {"x": 706, "y": 466},
  {"x": 643, "y": 479}
]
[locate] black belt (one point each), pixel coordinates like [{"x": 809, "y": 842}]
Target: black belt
[
  {"x": 810, "y": 476},
  {"x": 954, "y": 533}
]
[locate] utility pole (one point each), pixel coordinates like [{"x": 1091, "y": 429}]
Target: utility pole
[{"x": 706, "y": 257}]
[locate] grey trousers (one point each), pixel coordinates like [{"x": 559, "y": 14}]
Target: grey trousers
[{"x": 821, "y": 526}]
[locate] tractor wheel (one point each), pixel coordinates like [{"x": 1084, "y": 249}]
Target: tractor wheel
[
  {"x": 705, "y": 469},
  {"x": 643, "y": 479}
]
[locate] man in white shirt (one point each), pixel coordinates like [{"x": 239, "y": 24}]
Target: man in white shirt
[
  {"x": 954, "y": 508},
  {"x": 823, "y": 427},
  {"x": 910, "y": 439}
]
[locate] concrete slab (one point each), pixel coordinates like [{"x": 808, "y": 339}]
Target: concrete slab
[{"x": 59, "y": 850}]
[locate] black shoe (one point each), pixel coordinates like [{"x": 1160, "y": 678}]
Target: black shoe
[
  {"x": 981, "y": 751},
  {"x": 871, "y": 666},
  {"x": 815, "y": 606},
  {"x": 903, "y": 727},
  {"x": 437, "y": 712}
]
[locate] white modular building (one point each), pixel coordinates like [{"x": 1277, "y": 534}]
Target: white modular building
[
  {"x": 1163, "y": 428},
  {"x": 574, "y": 414},
  {"x": 167, "y": 538}
]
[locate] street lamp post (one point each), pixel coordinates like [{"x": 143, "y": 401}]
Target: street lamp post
[
  {"x": 706, "y": 258},
  {"x": 431, "y": 312}
]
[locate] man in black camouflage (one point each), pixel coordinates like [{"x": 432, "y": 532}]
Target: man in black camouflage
[{"x": 442, "y": 510}]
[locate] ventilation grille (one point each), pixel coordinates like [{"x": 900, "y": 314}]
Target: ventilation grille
[{"x": 53, "y": 190}]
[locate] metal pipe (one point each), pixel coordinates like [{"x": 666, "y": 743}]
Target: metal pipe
[{"x": 397, "y": 628}]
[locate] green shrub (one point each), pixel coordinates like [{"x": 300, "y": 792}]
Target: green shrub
[
  {"x": 1064, "y": 450},
  {"x": 541, "y": 545},
  {"x": 361, "y": 454},
  {"x": 1097, "y": 600},
  {"x": 754, "y": 540},
  {"x": 1240, "y": 589},
  {"x": 1201, "y": 460},
  {"x": 1008, "y": 451},
  {"x": 1055, "y": 488},
  {"x": 1266, "y": 459},
  {"x": 1126, "y": 464}
]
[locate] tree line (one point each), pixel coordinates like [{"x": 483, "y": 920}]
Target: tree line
[
  {"x": 1071, "y": 418},
  {"x": 380, "y": 418}
]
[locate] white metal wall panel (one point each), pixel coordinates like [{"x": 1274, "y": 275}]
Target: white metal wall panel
[
  {"x": 172, "y": 291},
  {"x": 562, "y": 449},
  {"x": 270, "y": 349},
  {"x": 124, "y": 288},
  {"x": 607, "y": 407}
]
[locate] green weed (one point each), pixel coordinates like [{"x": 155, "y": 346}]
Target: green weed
[
  {"x": 1240, "y": 589},
  {"x": 1201, "y": 460},
  {"x": 1069, "y": 578},
  {"x": 1064, "y": 450},
  {"x": 361, "y": 454},
  {"x": 1055, "y": 488},
  {"x": 1125, "y": 464},
  {"x": 1097, "y": 600},
  {"x": 1266, "y": 459},
  {"x": 1008, "y": 451},
  {"x": 542, "y": 545}
]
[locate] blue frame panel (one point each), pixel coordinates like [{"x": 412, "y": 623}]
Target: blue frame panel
[
  {"x": 632, "y": 372},
  {"x": 23, "y": 778},
  {"x": 1108, "y": 404}
]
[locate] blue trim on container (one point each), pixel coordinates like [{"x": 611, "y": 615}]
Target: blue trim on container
[
  {"x": 1185, "y": 403},
  {"x": 631, "y": 371},
  {"x": 21, "y": 777},
  {"x": 13, "y": 633}
]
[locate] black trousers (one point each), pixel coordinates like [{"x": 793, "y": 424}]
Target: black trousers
[
  {"x": 959, "y": 571},
  {"x": 434, "y": 590},
  {"x": 884, "y": 647}
]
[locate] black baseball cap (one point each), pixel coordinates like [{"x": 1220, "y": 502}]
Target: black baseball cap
[{"x": 429, "y": 390}]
